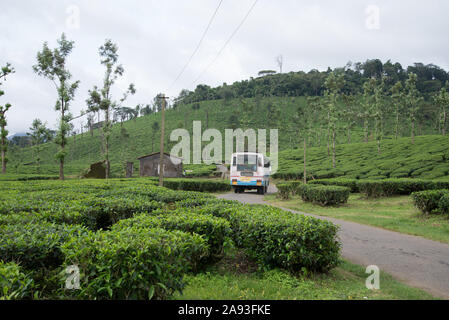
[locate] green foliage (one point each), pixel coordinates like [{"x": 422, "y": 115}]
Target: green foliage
[
  {"x": 277, "y": 238},
  {"x": 343, "y": 182},
  {"x": 133, "y": 263},
  {"x": 325, "y": 195},
  {"x": 35, "y": 246},
  {"x": 443, "y": 205},
  {"x": 197, "y": 185},
  {"x": 216, "y": 231},
  {"x": 144, "y": 238},
  {"x": 429, "y": 201},
  {"x": 426, "y": 159},
  {"x": 14, "y": 284},
  {"x": 389, "y": 187}
]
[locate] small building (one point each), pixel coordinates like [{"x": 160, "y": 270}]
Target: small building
[{"x": 149, "y": 166}]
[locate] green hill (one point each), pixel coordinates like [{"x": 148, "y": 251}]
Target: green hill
[
  {"x": 134, "y": 138},
  {"x": 428, "y": 158}
]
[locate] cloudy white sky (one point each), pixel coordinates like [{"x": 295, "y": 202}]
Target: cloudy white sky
[{"x": 156, "y": 38}]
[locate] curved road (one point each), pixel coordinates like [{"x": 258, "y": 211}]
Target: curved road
[{"x": 413, "y": 260}]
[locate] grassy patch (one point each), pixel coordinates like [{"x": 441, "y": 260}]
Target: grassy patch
[
  {"x": 392, "y": 213},
  {"x": 235, "y": 278}
]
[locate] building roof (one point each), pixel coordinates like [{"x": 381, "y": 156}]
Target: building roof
[{"x": 158, "y": 153}]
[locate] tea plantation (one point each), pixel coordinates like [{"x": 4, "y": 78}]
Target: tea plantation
[
  {"x": 130, "y": 239},
  {"x": 428, "y": 158}
]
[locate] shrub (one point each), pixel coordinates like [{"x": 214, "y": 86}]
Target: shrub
[
  {"x": 324, "y": 195},
  {"x": 35, "y": 246},
  {"x": 197, "y": 185},
  {"x": 277, "y": 238},
  {"x": 101, "y": 213},
  {"x": 133, "y": 263},
  {"x": 216, "y": 231},
  {"x": 443, "y": 205},
  {"x": 389, "y": 187},
  {"x": 284, "y": 190},
  {"x": 342, "y": 182},
  {"x": 428, "y": 201},
  {"x": 14, "y": 283}
]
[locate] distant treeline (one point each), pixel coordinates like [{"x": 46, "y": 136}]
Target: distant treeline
[{"x": 431, "y": 79}]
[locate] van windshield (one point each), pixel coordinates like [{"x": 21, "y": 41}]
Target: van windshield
[{"x": 247, "y": 162}]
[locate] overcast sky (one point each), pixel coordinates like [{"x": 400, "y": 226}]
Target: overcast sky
[{"x": 156, "y": 38}]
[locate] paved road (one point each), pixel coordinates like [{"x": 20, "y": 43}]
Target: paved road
[{"x": 413, "y": 260}]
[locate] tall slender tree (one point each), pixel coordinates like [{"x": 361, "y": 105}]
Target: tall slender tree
[
  {"x": 101, "y": 99},
  {"x": 442, "y": 101},
  {"x": 39, "y": 134},
  {"x": 367, "y": 105},
  {"x": 6, "y": 70},
  {"x": 334, "y": 84},
  {"x": 51, "y": 64},
  {"x": 397, "y": 96},
  {"x": 413, "y": 101},
  {"x": 377, "y": 111}
]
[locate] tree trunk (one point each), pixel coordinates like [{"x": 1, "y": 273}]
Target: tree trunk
[
  {"x": 413, "y": 132},
  {"x": 3, "y": 161},
  {"x": 444, "y": 123},
  {"x": 333, "y": 148},
  {"x": 397, "y": 125},
  {"x": 305, "y": 162},
  {"x": 61, "y": 160},
  {"x": 107, "y": 143},
  {"x": 2, "y": 146}
]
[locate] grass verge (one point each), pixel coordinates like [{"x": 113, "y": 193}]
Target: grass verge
[{"x": 234, "y": 278}]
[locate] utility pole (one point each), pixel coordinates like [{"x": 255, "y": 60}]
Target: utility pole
[{"x": 161, "y": 159}]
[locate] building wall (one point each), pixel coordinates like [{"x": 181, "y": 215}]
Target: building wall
[{"x": 149, "y": 167}]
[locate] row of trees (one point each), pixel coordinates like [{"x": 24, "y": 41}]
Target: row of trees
[
  {"x": 431, "y": 79},
  {"x": 372, "y": 107}
]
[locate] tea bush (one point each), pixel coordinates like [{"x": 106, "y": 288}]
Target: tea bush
[
  {"x": 321, "y": 194},
  {"x": 390, "y": 187},
  {"x": 14, "y": 283},
  {"x": 443, "y": 205},
  {"x": 133, "y": 262},
  {"x": 278, "y": 238},
  {"x": 216, "y": 231},
  {"x": 429, "y": 201},
  {"x": 35, "y": 246}
]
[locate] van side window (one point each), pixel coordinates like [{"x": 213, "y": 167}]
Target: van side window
[
  {"x": 234, "y": 161},
  {"x": 266, "y": 163}
]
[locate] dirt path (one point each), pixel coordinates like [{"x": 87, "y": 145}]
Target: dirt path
[{"x": 413, "y": 260}]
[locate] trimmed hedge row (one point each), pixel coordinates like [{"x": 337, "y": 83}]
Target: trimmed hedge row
[
  {"x": 134, "y": 262},
  {"x": 342, "y": 182},
  {"x": 321, "y": 194},
  {"x": 389, "y": 187},
  {"x": 197, "y": 185},
  {"x": 35, "y": 246},
  {"x": 324, "y": 195},
  {"x": 377, "y": 188},
  {"x": 432, "y": 201},
  {"x": 14, "y": 283},
  {"x": 278, "y": 238},
  {"x": 216, "y": 231}
]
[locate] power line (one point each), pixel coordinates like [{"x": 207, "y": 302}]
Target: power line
[
  {"x": 227, "y": 42},
  {"x": 198, "y": 45}
]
